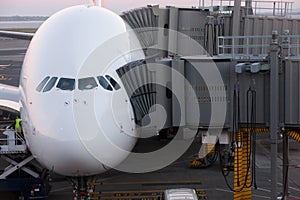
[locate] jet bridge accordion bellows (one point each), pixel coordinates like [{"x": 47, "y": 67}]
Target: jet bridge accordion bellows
[
  {"x": 139, "y": 83},
  {"x": 144, "y": 23}
]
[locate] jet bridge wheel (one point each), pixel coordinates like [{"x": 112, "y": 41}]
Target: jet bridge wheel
[{"x": 206, "y": 157}]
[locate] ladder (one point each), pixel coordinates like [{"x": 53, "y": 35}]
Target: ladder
[{"x": 12, "y": 142}]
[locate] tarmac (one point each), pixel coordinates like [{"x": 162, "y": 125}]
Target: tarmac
[{"x": 209, "y": 181}]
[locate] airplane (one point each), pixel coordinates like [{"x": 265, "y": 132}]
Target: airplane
[{"x": 76, "y": 115}]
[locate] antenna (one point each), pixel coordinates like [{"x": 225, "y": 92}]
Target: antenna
[{"x": 98, "y": 3}]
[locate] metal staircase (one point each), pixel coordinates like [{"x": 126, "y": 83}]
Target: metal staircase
[
  {"x": 21, "y": 175},
  {"x": 12, "y": 142}
]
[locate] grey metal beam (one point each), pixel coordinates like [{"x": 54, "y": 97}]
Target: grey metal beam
[
  {"x": 285, "y": 183},
  {"x": 16, "y": 167},
  {"x": 173, "y": 28},
  {"x": 274, "y": 110},
  {"x": 285, "y": 143},
  {"x": 25, "y": 169},
  {"x": 236, "y": 18},
  {"x": 178, "y": 83}
]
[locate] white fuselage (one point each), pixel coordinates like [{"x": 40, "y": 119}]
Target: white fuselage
[{"x": 77, "y": 130}]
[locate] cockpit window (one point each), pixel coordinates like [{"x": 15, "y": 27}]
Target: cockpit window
[
  {"x": 66, "y": 84},
  {"x": 113, "y": 82},
  {"x": 42, "y": 84},
  {"x": 50, "y": 84},
  {"x": 103, "y": 82},
  {"x": 87, "y": 83}
]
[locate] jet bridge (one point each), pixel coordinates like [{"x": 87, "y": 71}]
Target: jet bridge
[{"x": 259, "y": 67}]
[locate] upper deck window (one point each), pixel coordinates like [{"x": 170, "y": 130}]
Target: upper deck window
[
  {"x": 87, "y": 83},
  {"x": 42, "y": 84},
  {"x": 113, "y": 82},
  {"x": 66, "y": 84},
  {"x": 103, "y": 82},
  {"x": 50, "y": 84}
]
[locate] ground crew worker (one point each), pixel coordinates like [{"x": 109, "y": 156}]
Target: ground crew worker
[{"x": 18, "y": 125}]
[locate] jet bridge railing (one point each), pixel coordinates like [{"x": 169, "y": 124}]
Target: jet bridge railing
[
  {"x": 11, "y": 142},
  {"x": 273, "y": 8},
  {"x": 259, "y": 45},
  {"x": 293, "y": 44},
  {"x": 252, "y": 7},
  {"x": 236, "y": 46}
]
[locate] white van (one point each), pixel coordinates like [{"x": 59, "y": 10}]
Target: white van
[{"x": 180, "y": 194}]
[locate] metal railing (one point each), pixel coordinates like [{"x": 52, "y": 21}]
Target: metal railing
[
  {"x": 12, "y": 142},
  {"x": 255, "y": 7},
  {"x": 243, "y": 45},
  {"x": 259, "y": 45},
  {"x": 293, "y": 44}
]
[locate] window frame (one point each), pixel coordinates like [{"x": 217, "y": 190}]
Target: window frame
[
  {"x": 59, "y": 84},
  {"x": 42, "y": 84},
  {"x": 50, "y": 84},
  {"x": 113, "y": 82},
  {"x": 94, "y": 84},
  {"x": 104, "y": 83}
]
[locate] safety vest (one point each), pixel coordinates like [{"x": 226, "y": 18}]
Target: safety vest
[{"x": 18, "y": 126}]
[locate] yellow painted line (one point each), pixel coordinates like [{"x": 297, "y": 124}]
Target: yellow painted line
[
  {"x": 128, "y": 197},
  {"x": 149, "y": 182},
  {"x": 3, "y": 78},
  {"x": 128, "y": 191},
  {"x": 138, "y": 193}
]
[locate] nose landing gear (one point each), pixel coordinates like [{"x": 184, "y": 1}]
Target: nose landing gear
[{"x": 81, "y": 188}]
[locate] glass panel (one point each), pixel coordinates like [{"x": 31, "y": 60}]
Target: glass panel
[
  {"x": 50, "y": 84},
  {"x": 87, "y": 83},
  {"x": 103, "y": 82},
  {"x": 113, "y": 82},
  {"x": 168, "y": 90},
  {"x": 66, "y": 84},
  {"x": 42, "y": 84}
]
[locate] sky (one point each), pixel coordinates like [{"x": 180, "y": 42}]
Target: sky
[{"x": 48, "y": 7}]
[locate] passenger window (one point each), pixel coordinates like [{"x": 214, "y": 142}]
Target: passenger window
[
  {"x": 42, "y": 84},
  {"x": 103, "y": 82},
  {"x": 87, "y": 83},
  {"x": 50, "y": 84},
  {"x": 113, "y": 82},
  {"x": 66, "y": 84}
]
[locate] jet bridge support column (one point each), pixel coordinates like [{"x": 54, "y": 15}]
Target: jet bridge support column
[
  {"x": 173, "y": 27},
  {"x": 274, "y": 110},
  {"x": 242, "y": 172},
  {"x": 236, "y": 18},
  {"x": 285, "y": 52}
]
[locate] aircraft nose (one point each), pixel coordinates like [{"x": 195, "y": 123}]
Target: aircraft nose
[{"x": 104, "y": 126}]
